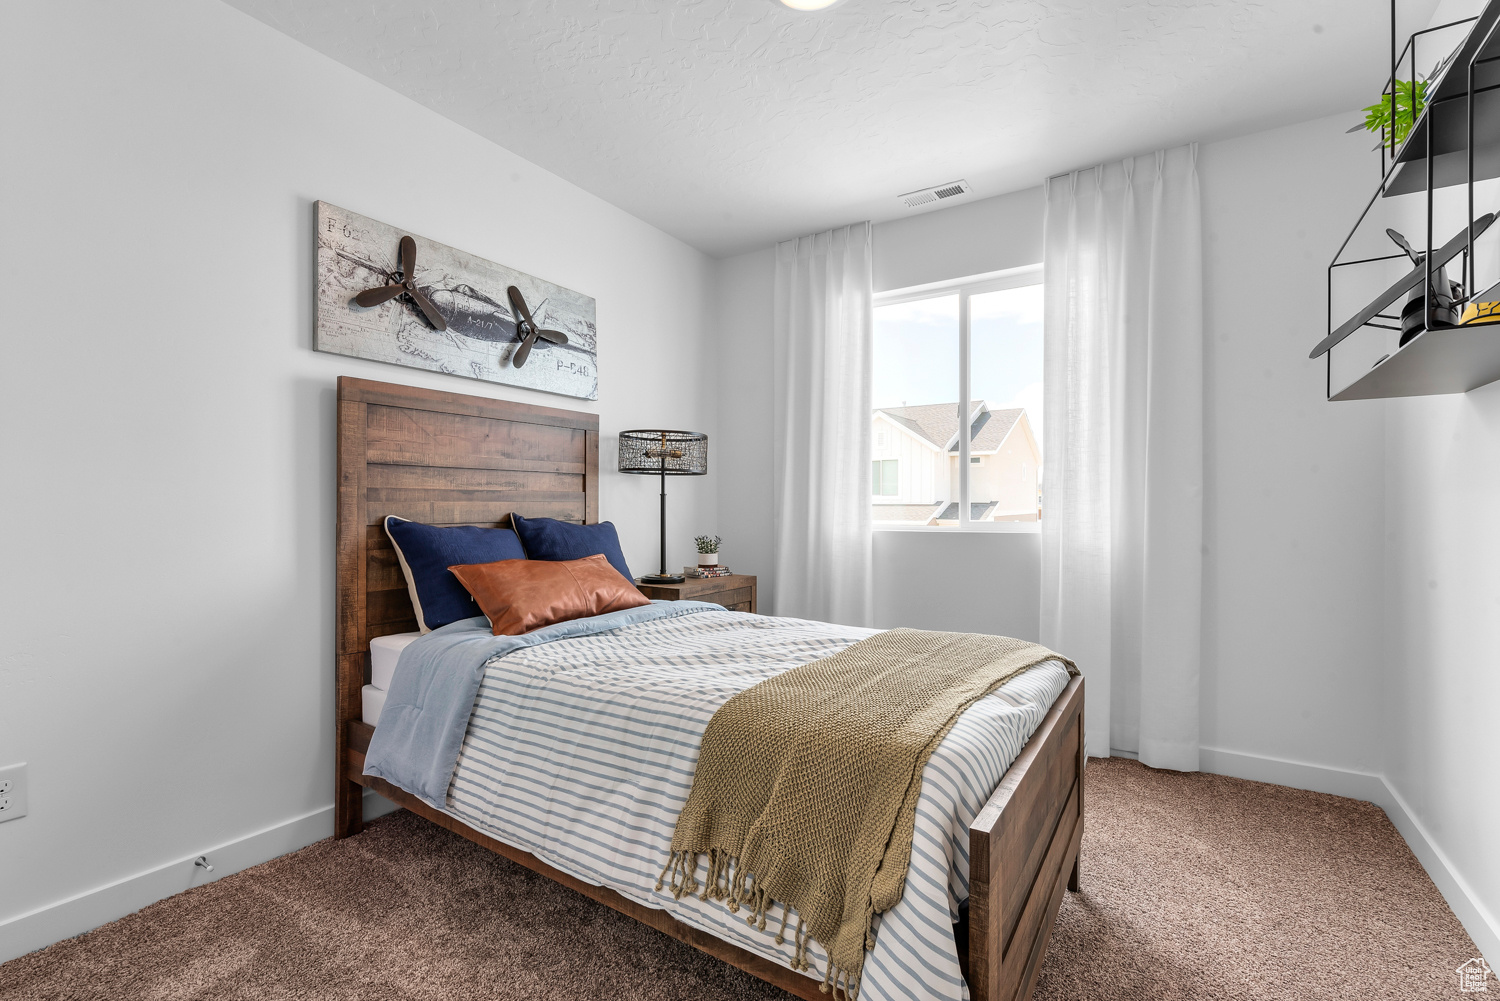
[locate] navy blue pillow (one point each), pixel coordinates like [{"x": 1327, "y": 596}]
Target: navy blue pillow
[
  {"x": 550, "y": 539},
  {"x": 427, "y": 551}
]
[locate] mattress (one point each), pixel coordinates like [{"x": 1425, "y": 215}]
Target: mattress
[
  {"x": 582, "y": 751},
  {"x": 385, "y": 651},
  {"x": 372, "y": 700}
]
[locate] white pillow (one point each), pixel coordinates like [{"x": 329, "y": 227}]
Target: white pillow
[
  {"x": 372, "y": 701},
  {"x": 384, "y": 652}
]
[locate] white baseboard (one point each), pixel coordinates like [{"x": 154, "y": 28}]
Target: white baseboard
[
  {"x": 1279, "y": 771},
  {"x": 1482, "y": 926},
  {"x": 92, "y": 908}
]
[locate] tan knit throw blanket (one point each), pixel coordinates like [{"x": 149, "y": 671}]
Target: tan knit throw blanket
[{"x": 806, "y": 788}]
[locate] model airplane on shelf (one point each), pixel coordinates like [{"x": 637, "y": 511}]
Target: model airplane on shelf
[
  {"x": 1441, "y": 296},
  {"x": 1411, "y": 282}
]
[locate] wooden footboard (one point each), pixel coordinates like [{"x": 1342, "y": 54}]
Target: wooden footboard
[{"x": 1023, "y": 851}]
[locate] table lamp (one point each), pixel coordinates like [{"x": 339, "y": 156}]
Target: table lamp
[{"x": 664, "y": 453}]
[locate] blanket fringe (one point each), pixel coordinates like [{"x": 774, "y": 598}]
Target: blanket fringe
[
  {"x": 726, "y": 880},
  {"x": 836, "y": 980}
]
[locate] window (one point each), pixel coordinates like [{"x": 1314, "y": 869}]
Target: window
[{"x": 958, "y": 368}]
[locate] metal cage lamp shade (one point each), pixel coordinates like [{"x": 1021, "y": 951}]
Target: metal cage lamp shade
[{"x": 663, "y": 453}]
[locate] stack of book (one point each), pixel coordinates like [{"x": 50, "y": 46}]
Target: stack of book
[{"x": 715, "y": 570}]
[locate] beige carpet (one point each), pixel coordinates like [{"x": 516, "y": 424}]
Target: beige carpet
[{"x": 1195, "y": 886}]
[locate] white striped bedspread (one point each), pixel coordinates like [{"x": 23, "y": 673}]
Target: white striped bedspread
[{"x": 582, "y": 751}]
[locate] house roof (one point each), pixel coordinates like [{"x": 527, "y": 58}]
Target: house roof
[
  {"x": 937, "y": 424},
  {"x": 934, "y": 423},
  {"x": 990, "y": 428},
  {"x": 977, "y": 512},
  {"x": 919, "y": 514}
]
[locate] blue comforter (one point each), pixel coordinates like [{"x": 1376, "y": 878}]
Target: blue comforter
[{"x": 427, "y": 709}]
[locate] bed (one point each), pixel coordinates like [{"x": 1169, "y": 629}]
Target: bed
[{"x": 448, "y": 459}]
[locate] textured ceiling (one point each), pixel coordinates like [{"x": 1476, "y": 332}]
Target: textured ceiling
[{"x": 735, "y": 123}]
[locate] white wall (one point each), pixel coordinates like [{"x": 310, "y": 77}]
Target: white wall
[
  {"x": 1442, "y": 614},
  {"x": 168, "y": 432},
  {"x": 1442, "y": 624},
  {"x": 1293, "y": 485},
  {"x": 976, "y": 582},
  {"x": 973, "y": 238},
  {"x": 741, "y": 337}
]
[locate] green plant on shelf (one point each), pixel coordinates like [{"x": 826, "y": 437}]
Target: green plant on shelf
[
  {"x": 1394, "y": 115},
  {"x": 1398, "y": 109},
  {"x": 707, "y": 544}
]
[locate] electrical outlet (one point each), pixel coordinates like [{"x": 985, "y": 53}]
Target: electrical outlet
[{"x": 12, "y": 792}]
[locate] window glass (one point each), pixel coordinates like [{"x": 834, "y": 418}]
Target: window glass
[
  {"x": 1005, "y": 379},
  {"x": 917, "y": 474},
  {"x": 915, "y": 398}
]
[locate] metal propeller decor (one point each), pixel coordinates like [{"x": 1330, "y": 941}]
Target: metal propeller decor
[
  {"x": 404, "y": 282},
  {"x": 527, "y": 330}
]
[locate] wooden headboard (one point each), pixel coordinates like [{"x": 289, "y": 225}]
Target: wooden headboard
[{"x": 443, "y": 459}]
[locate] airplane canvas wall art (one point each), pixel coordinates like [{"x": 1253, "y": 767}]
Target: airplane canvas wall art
[{"x": 453, "y": 313}]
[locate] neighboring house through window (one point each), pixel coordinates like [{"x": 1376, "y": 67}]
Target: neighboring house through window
[{"x": 957, "y": 391}]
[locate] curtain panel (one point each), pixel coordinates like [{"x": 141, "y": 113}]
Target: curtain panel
[
  {"x": 1122, "y": 523},
  {"x": 822, "y": 342}
]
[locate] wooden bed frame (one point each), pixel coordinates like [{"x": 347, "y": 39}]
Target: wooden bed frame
[{"x": 447, "y": 459}]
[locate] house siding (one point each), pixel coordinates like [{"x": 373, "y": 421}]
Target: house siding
[
  {"x": 916, "y": 481},
  {"x": 1007, "y": 477}
]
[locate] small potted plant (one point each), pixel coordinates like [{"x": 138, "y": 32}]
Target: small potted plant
[
  {"x": 1399, "y": 108},
  {"x": 708, "y": 550}
]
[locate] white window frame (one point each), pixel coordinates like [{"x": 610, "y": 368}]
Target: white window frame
[{"x": 993, "y": 281}]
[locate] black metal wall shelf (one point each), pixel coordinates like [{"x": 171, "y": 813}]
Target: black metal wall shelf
[
  {"x": 1447, "y": 117},
  {"x": 1438, "y": 362},
  {"x": 1456, "y": 139},
  {"x": 1450, "y": 156}
]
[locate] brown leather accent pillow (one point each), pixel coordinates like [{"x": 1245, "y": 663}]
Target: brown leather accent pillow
[{"x": 522, "y": 595}]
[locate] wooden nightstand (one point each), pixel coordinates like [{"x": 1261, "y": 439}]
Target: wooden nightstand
[{"x": 735, "y": 592}]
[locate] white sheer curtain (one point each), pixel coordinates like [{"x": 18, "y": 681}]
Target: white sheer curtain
[
  {"x": 1122, "y": 503},
  {"x": 822, "y": 343}
]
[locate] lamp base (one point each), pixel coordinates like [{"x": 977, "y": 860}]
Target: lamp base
[{"x": 663, "y": 578}]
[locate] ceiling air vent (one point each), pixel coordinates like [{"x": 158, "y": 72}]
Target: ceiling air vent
[{"x": 916, "y": 199}]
